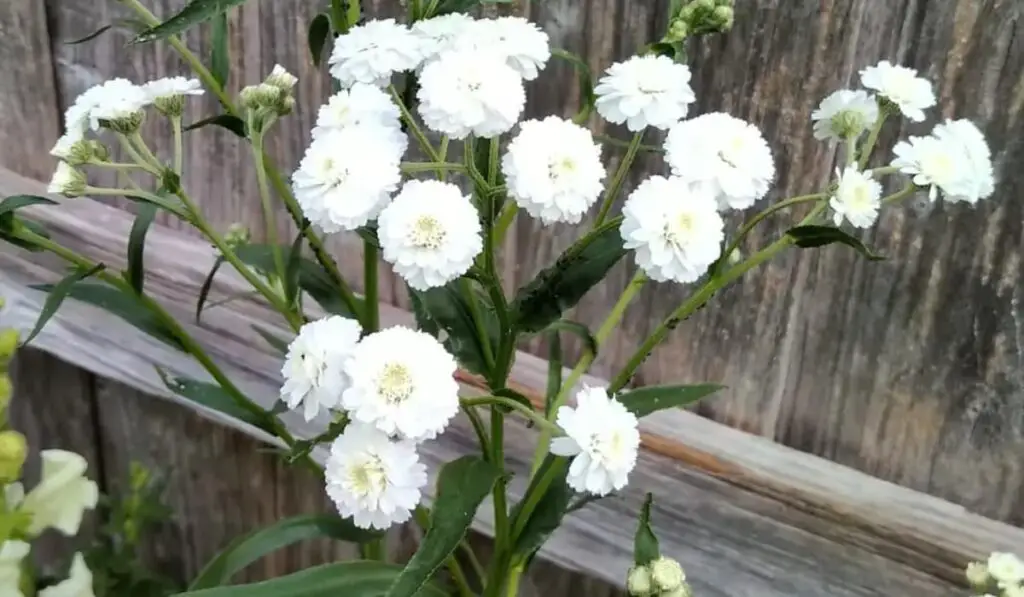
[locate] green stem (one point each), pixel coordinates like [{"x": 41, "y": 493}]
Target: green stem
[
  {"x": 481, "y": 432},
  {"x": 526, "y": 411},
  {"x": 869, "y": 145},
  {"x": 613, "y": 319},
  {"x": 883, "y": 171},
  {"x": 142, "y": 162},
  {"x": 535, "y": 493},
  {"x": 162, "y": 202},
  {"x": 478, "y": 322},
  {"x": 269, "y": 221},
  {"x": 188, "y": 344},
  {"x": 505, "y": 219},
  {"x": 699, "y": 299},
  {"x": 410, "y": 122},
  {"x": 493, "y": 160},
  {"x": 414, "y": 167},
  {"x": 747, "y": 227},
  {"x": 375, "y": 550},
  {"x": 619, "y": 178},
  {"x": 851, "y": 150},
  {"x": 119, "y": 166},
  {"x": 179, "y": 156},
  {"x": 901, "y": 194},
  {"x": 442, "y": 154},
  {"x": 371, "y": 315},
  {"x": 609, "y": 140},
  {"x": 502, "y": 537},
  {"x": 512, "y": 588},
  {"x": 148, "y": 155}
]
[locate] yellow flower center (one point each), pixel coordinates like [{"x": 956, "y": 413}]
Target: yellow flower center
[
  {"x": 427, "y": 233},
  {"x": 395, "y": 383},
  {"x": 368, "y": 477},
  {"x": 561, "y": 167}
]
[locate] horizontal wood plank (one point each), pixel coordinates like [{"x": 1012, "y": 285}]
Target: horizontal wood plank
[{"x": 745, "y": 515}]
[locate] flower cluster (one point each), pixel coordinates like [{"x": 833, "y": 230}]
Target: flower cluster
[
  {"x": 663, "y": 577},
  {"x": 1001, "y": 575}
]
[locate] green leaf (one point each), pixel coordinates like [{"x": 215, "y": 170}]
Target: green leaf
[
  {"x": 220, "y": 53},
  {"x": 195, "y": 12},
  {"x": 559, "y": 287},
  {"x": 319, "y": 29},
  {"x": 10, "y": 232},
  {"x": 126, "y": 306},
  {"x": 554, "y": 371},
  {"x": 645, "y": 545},
  {"x": 548, "y": 513},
  {"x": 276, "y": 343},
  {"x": 249, "y": 548},
  {"x": 461, "y": 486},
  {"x": 448, "y": 309},
  {"x": 423, "y": 320},
  {"x": 302, "y": 448},
  {"x": 136, "y": 273},
  {"x": 232, "y": 123},
  {"x": 342, "y": 579},
  {"x": 292, "y": 269},
  {"x": 810, "y": 236},
  {"x": 57, "y": 295},
  {"x": 579, "y": 330},
  {"x": 312, "y": 277},
  {"x": 204, "y": 290},
  {"x": 211, "y": 396},
  {"x": 339, "y": 19},
  {"x": 644, "y": 401},
  {"x": 90, "y": 37},
  {"x": 15, "y": 202},
  {"x": 369, "y": 234},
  {"x": 586, "y": 80}
]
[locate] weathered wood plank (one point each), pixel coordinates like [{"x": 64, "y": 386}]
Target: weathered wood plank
[{"x": 736, "y": 507}]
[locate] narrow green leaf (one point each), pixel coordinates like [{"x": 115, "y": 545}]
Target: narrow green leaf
[
  {"x": 15, "y": 202},
  {"x": 195, "y": 12},
  {"x": 249, "y": 548},
  {"x": 579, "y": 330},
  {"x": 10, "y": 226},
  {"x": 204, "y": 290},
  {"x": 644, "y": 401},
  {"x": 448, "y": 309},
  {"x": 312, "y": 277},
  {"x": 342, "y": 579},
  {"x": 461, "y": 486},
  {"x": 126, "y": 306},
  {"x": 559, "y": 287},
  {"x": 424, "y": 322},
  {"x": 319, "y": 29},
  {"x": 57, "y": 295},
  {"x": 276, "y": 343},
  {"x": 352, "y": 14},
  {"x": 220, "y": 53},
  {"x": 90, "y": 37},
  {"x": 548, "y": 513},
  {"x": 339, "y": 18},
  {"x": 645, "y": 545},
  {"x": 302, "y": 448},
  {"x": 554, "y": 371},
  {"x": 136, "y": 274},
  {"x": 810, "y": 236},
  {"x": 292, "y": 269},
  {"x": 586, "y": 80},
  {"x": 211, "y": 396},
  {"x": 232, "y": 123}
]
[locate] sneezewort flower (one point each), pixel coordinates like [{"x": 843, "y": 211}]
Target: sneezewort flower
[
  {"x": 371, "y": 53},
  {"x": 314, "y": 376},
  {"x": 901, "y": 86},
  {"x": 645, "y": 91},
  {"x": 463, "y": 93},
  {"x": 856, "y": 199},
  {"x": 844, "y": 114}
]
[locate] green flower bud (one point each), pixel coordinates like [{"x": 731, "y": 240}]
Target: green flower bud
[
  {"x": 171, "y": 106},
  {"x": 13, "y": 448},
  {"x": 978, "y": 576},
  {"x": 127, "y": 125},
  {"x": 848, "y": 123},
  {"x": 687, "y": 12},
  {"x": 705, "y": 5},
  {"x": 677, "y": 31},
  {"x": 724, "y": 16},
  {"x": 264, "y": 95},
  {"x": 667, "y": 574},
  {"x": 6, "y": 391},
  {"x": 724, "y": 2},
  {"x": 79, "y": 153},
  {"x": 638, "y": 583},
  {"x": 100, "y": 153},
  {"x": 237, "y": 235},
  {"x": 682, "y": 590},
  {"x": 8, "y": 343},
  {"x": 281, "y": 79}
]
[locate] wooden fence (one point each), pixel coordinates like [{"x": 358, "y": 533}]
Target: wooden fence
[{"x": 908, "y": 370}]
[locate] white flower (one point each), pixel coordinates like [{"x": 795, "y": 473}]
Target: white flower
[
  {"x": 470, "y": 92},
  {"x": 844, "y": 114},
  {"x": 117, "y": 99},
  {"x": 361, "y": 104},
  {"x": 347, "y": 176},
  {"x": 12, "y": 552},
  {"x": 638, "y": 581},
  {"x": 667, "y": 574},
  {"x": 1006, "y": 569},
  {"x": 78, "y": 583},
  {"x": 602, "y": 437},
  {"x": 674, "y": 227},
  {"x": 979, "y": 181},
  {"x": 521, "y": 43},
  {"x": 857, "y": 199},
  {"x": 372, "y": 478},
  {"x": 440, "y": 34},
  {"x": 645, "y": 91},
  {"x": 282, "y": 79},
  {"x": 172, "y": 86},
  {"x": 901, "y": 86},
  {"x": 403, "y": 382},
  {"x": 553, "y": 169},
  {"x": 313, "y": 370},
  {"x": 67, "y": 180},
  {"x": 977, "y": 574},
  {"x": 430, "y": 233},
  {"x": 371, "y": 53},
  {"x": 65, "y": 147},
  {"x": 61, "y": 497},
  {"x": 1013, "y": 591},
  {"x": 725, "y": 152}
]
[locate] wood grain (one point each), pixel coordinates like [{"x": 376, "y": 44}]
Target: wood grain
[{"x": 729, "y": 500}]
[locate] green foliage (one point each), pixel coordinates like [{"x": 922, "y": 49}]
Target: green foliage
[
  {"x": 644, "y": 401},
  {"x": 311, "y": 277},
  {"x": 586, "y": 81},
  {"x": 226, "y": 121},
  {"x": 195, "y": 12},
  {"x": 316, "y": 38},
  {"x": 343, "y": 579},
  {"x": 213, "y": 397},
  {"x": 547, "y": 514},
  {"x": 56, "y": 297},
  {"x": 137, "y": 246},
  {"x": 204, "y": 290},
  {"x": 220, "y": 53},
  {"x": 247, "y": 549},
  {"x": 645, "y": 544},
  {"x": 810, "y": 236},
  {"x": 446, "y": 308},
  {"x": 461, "y": 486}
]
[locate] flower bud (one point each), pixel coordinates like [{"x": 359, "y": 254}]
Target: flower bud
[
  {"x": 6, "y": 391},
  {"x": 126, "y": 125},
  {"x": 8, "y": 343},
  {"x": 237, "y": 235},
  {"x": 667, "y": 574},
  {"x": 724, "y": 17},
  {"x": 67, "y": 180},
  {"x": 281, "y": 79},
  {"x": 255, "y": 97},
  {"x": 724, "y": 2},
  {"x": 682, "y": 590},
  {"x": 848, "y": 123},
  {"x": 638, "y": 583},
  {"x": 977, "y": 575},
  {"x": 677, "y": 31},
  {"x": 100, "y": 153},
  {"x": 171, "y": 105},
  {"x": 13, "y": 448},
  {"x": 705, "y": 5}
]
